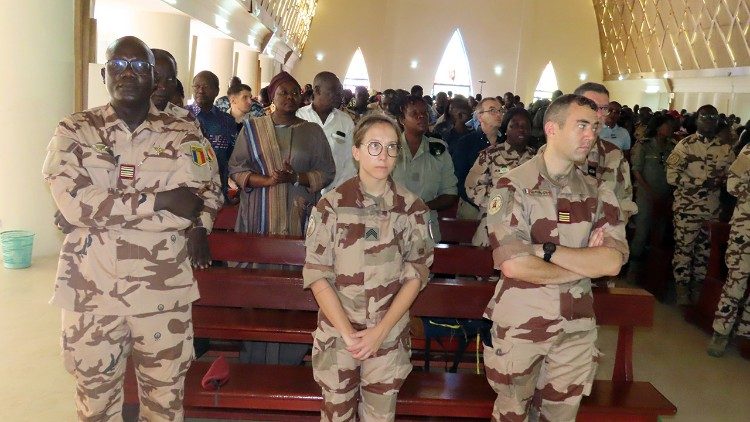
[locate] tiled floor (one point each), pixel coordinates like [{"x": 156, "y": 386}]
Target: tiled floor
[{"x": 34, "y": 386}]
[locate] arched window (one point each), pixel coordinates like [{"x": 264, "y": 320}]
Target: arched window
[
  {"x": 547, "y": 83},
  {"x": 357, "y": 75},
  {"x": 453, "y": 73}
]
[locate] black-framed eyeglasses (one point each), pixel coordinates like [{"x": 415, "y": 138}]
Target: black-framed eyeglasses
[
  {"x": 117, "y": 66},
  {"x": 375, "y": 148}
]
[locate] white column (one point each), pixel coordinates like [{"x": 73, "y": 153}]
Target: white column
[
  {"x": 36, "y": 80},
  {"x": 216, "y": 55},
  {"x": 167, "y": 31},
  {"x": 247, "y": 68},
  {"x": 267, "y": 69}
]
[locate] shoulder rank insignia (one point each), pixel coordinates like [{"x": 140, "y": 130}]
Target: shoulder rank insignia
[
  {"x": 437, "y": 148},
  {"x": 199, "y": 155},
  {"x": 496, "y": 204},
  {"x": 563, "y": 217}
]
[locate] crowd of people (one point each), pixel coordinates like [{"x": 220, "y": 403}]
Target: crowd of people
[{"x": 362, "y": 175}]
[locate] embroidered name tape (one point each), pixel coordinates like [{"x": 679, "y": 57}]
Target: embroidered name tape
[{"x": 537, "y": 192}]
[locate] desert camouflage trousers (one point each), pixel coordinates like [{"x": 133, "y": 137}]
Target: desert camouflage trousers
[
  {"x": 360, "y": 390},
  {"x": 733, "y": 300},
  {"x": 95, "y": 349},
  {"x": 541, "y": 381},
  {"x": 690, "y": 252}
]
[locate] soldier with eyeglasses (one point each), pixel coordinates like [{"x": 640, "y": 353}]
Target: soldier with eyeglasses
[
  {"x": 132, "y": 185},
  {"x": 697, "y": 168},
  {"x": 369, "y": 249}
]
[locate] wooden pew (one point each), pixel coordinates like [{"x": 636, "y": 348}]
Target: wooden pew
[
  {"x": 270, "y": 305},
  {"x": 702, "y": 313}
]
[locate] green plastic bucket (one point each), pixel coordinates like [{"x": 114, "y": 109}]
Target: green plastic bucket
[{"x": 17, "y": 246}]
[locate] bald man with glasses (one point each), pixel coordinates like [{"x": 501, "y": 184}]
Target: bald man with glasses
[{"x": 135, "y": 187}]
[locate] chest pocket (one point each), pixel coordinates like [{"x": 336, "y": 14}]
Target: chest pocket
[
  {"x": 101, "y": 168},
  {"x": 575, "y": 217},
  {"x": 156, "y": 173}
]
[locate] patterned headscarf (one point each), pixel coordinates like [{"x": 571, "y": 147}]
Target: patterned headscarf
[{"x": 277, "y": 81}]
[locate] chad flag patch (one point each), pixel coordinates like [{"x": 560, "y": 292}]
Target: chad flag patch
[{"x": 199, "y": 155}]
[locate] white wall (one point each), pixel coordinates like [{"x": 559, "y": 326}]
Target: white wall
[
  {"x": 521, "y": 36},
  {"x": 730, "y": 95},
  {"x": 36, "y": 79}
]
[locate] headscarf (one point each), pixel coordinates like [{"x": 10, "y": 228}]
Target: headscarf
[{"x": 277, "y": 81}]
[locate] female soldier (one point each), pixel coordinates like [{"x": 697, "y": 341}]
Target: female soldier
[
  {"x": 493, "y": 162},
  {"x": 368, "y": 253}
]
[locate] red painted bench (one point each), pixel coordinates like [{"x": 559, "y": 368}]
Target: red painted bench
[{"x": 270, "y": 305}]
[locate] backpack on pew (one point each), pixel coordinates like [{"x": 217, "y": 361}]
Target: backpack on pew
[{"x": 464, "y": 330}]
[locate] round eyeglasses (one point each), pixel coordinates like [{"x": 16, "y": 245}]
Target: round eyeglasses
[
  {"x": 375, "y": 148},
  {"x": 117, "y": 66}
]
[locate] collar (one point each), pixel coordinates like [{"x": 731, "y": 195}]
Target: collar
[
  {"x": 420, "y": 150},
  {"x": 111, "y": 118},
  {"x": 569, "y": 182},
  {"x": 196, "y": 109},
  {"x": 383, "y": 202}
]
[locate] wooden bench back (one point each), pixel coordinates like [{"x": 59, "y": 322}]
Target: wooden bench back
[{"x": 241, "y": 247}]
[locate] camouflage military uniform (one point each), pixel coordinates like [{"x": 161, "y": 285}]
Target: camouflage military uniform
[
  {"x": 649, "y": 159},
  {"x": 543, "y": 358},
  {"x": 428, "y": 173},
  {"x": 607, "y": 163},
  {"x": 491, "y": 165},
  {"x": 738, "y": 252},
  {"x": 366, "y": 248},
  {"x": 697, "y": 168},
  {"x": 124, "y": 282}
]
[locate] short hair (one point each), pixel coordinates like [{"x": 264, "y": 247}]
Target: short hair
[
  {"x": 416, "y": 88},
  {"x": 236, "y": 89},
  {"x": 365, "y": 123},
  {"x": 210, "y": 75},
  {"x": 705, "y": 107},
  {"x": 324, "y": 76},
  {"x": 557, "y": 111},
  {"x": 591, "y": 87},
  {"x": 111, "y": 48},
  {"x": 361, "y": 89},
  {"x": 655, "y": 123},
  {"x": 488, "y": 99},
  {"x": 410, "y": 100},
  {"x": 515, "y": 111},
  {"x": 164, "y": 53}
]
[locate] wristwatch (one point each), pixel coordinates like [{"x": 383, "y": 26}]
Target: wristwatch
[{"x": 549, "y": 248}]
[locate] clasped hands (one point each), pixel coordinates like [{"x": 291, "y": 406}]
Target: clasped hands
[{"x": 365, "y": 343}]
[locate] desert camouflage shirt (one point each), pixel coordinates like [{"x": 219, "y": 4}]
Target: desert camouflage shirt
[
  {"x": 697, "y": 168},
  {"x": 738, "y": 184},
  {"x": 528, "y": 207},
  {"x": 607, "y": 163},
  {"x": 124, "y": 258},
  {"x": 492, "y": 164},
  {"x": 366, "y": 247}
]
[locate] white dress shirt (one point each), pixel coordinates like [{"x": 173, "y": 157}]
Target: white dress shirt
[{"x": 338, "y": 128}]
